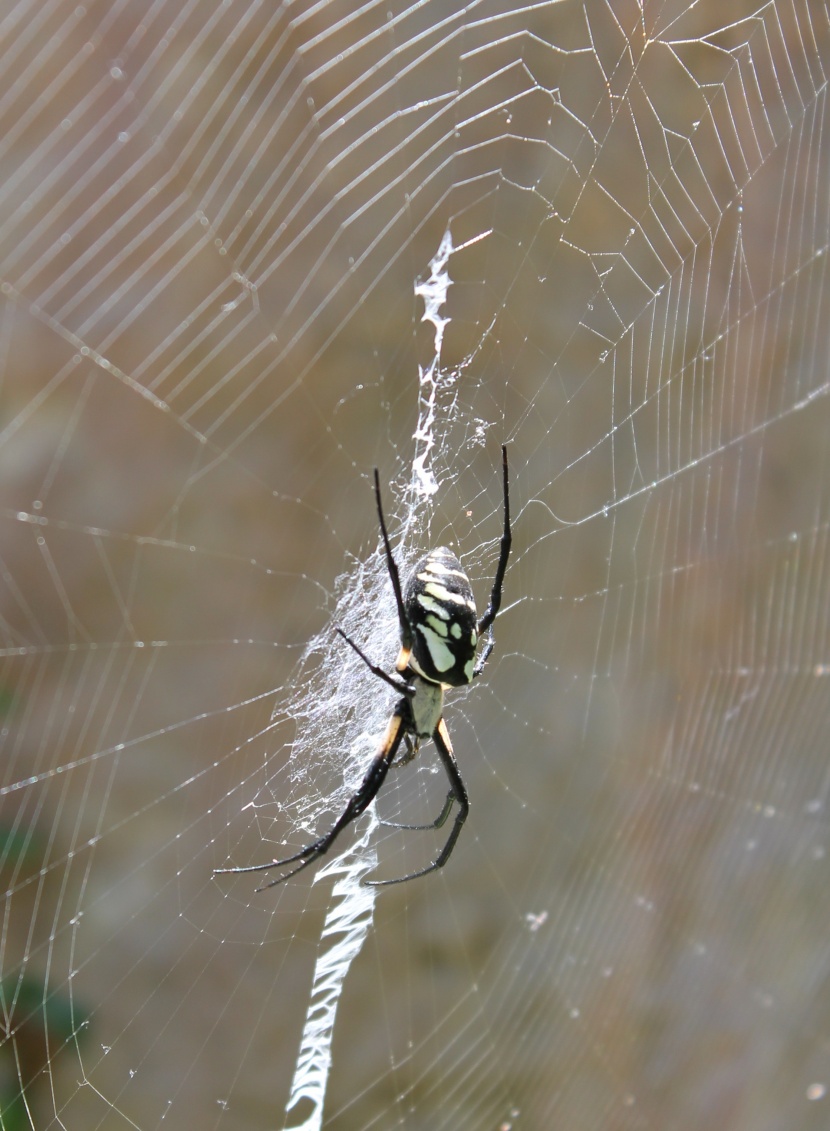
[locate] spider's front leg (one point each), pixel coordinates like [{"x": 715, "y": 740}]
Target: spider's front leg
[
  {"x": 412, "y": 750},
  {"x": 408, "y": 754},
  {"x": 458, "y": 792},
  {"x": 373, "y": 779}
]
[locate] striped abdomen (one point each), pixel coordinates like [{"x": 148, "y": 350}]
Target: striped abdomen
[{"x": 441, "y": 611}]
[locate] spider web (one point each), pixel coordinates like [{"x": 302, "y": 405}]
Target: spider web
[{"x": 216, "y": 228}]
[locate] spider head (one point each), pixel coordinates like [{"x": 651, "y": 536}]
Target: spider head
[{"x": 427, "y": 707}]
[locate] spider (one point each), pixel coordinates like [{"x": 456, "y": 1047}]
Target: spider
[{"x": 439, "y": 641}]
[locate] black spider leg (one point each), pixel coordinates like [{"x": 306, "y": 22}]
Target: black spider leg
[
  {"x": 372, "y": 781},
  {"x": 411, "y": 751},
  {"x": 485, "y": 623},
  {"x": 457, "y": 793},
  {"x": 394, "y": 577},
  {"x": 439, "y": 820},
  {"x": 399, "y": 685}
]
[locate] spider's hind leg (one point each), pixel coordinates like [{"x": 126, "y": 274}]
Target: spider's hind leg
[
  {"x": 491, "y": 612},
  {"x": 484, "y": 656}
]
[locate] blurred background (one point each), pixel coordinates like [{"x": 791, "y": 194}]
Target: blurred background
[{"x": 213, "y": 218}]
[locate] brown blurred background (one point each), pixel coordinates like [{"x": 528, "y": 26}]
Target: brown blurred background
[{"x": 212, "y": 220}]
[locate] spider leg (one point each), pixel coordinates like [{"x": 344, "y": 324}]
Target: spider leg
[
  {"x": 399, "y": 685},
  {"x": 408, "y": 754},
  {"x": 492, "y": 609},
  {"x": 365, "y": 795},
  {"x": 485, "y": 656},
  {"x": 411, "y": 751},
  {"x": 394, "y": 577},
  {"x": 457, "y": 793},
  {"x": 436, "y": 824}
]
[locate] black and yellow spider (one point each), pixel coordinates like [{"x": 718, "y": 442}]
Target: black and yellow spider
[{"x": 440, "y": 633}]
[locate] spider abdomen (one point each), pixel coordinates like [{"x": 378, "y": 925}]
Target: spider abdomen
[{"x": 441, "y": 611}]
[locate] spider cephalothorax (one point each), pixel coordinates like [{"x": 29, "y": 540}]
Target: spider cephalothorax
[{"x": 440, "y": 633}]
